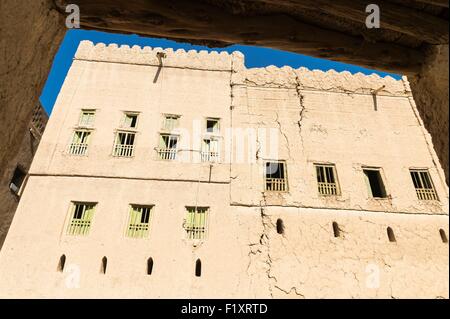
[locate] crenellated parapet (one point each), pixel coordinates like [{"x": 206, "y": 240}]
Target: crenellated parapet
[
  {"x": 270, "y": 76},
  {"x": 201, "y": 60},
  {"x": 303, "y": 78}
]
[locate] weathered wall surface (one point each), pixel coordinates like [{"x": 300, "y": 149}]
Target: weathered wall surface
[
  {"x": 26, "y": 60},
  {"x": 333, "y": 30},
  {"x": 30, "y": 35},
  {"x": 430, "y": 89},
  {"x": 23, "y": 159},
  {"x": 32, "y": 30},
  {"x": 112, "y": 88},
  {"x": 244, "y": 256},
  {"x": 317, "y": 117},
  {"x": 330, "y": 117}
]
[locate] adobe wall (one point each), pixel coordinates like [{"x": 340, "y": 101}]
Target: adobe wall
[
  {"x": 318, "y": 116},
  {"x": 243, "y": 257}
]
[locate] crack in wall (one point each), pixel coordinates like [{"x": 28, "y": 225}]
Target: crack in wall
[
  {"x": 284, "y": 134},
  {"x": 301, "y": 99},
  {"x": 260, "y": 251},
  {"x": 265, "y": 261}
]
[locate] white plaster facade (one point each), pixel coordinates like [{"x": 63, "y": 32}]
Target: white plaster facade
[{"x": 318, "y": 117}]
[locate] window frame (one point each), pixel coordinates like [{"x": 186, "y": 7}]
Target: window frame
[
  {"x": 71, "y": 230},
  {"x": 83, "y": 146},
  {"x": 286, "y": 180},
  {"x": 166, "y": 153},
  {"x": 17, "y": 189},
  {"x": 336, "y": 183},
  {"x": 133, "y": 234},
  {"x": 424, "y": 191},
  {"x": 382, "y": 178},
  {"x": 124, "y": 120},
  {"x": 81, "y": 116},
  {"x": 216, "y": 119},
  {"x": 115, "y": 144},
  {"x": 175, "y": 117},
  {"x": 189, "y": 227},
  {"x": 206, "y": 155}
]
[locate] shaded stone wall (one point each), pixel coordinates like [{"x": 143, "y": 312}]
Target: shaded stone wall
[
  {"x": 27, "y": 148},
  {"x": 430, "y": 90},
  {"x": 31, "y": 32}
]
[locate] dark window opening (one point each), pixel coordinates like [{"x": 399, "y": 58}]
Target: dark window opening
[
  {"x": 133, "y": 120},
  {"x": 149, "y": 266},
  {"x": 443, "y": 236},
  {"x": 79, "y": 210},
  {"x": 391, "y": 235},
  {"x": 126, "y": 139},
  {"x": 375, "y": 183},
  {"x": 62, "y": 262},
  {"x": 212, "y": 125},
  {"x": 325, "y": 174},
  {"x": 274, "y": 170},
  {"x": 145, "y": 216},
  {"x": 275, "y": 177},
  {"x": 280, "y": 226},
  {"x": 17, "y": 179},
  {"x": 336, "y": 230},
  {"x": 104, "y": 264},
  {"x": 198, "y": 268}
]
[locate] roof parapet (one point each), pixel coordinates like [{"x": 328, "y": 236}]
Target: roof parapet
[
  {"x": 202, "y": 60},
  {"x": 270, "y": 76},
  {"x": 331, "y": 80}
]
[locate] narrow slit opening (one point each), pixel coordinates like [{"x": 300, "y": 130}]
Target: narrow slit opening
[
  {"x": 336, "y": 230},
  {"x": 443, "y": 236},
  {"x": 198, "y": 268},
  {"x": 61, "y": 263},
  {"x": 104, "y": 265},
  {"x": 280, "y": 226},
  {"x": 391, "y": 235},
  {"x": 149, "y": 266}
]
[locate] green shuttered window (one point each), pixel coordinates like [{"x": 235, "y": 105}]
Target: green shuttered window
[
  {"x": 196, "y": 224},
  {"x": 81, "y": 218},
  {"x": 139, "y": 221}
]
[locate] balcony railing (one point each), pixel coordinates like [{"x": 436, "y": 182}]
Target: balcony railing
[
  {"x": 327, "y": 188},
  {"x": 139, "y": 230},
  {"x": 169, "y": 154},
  {"x": 196, "y": 232},
  {"x": 79, "y": 227},
  {"x": 426, "y": 194},
  {"x": 122, "y": 150},
  {"x": 210, "y": 156},
  {"x": 276, "y": 184},
  {"x": 78, "y": 148}
]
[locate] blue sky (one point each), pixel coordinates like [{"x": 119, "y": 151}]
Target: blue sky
[{"x": 254, "y": 57}]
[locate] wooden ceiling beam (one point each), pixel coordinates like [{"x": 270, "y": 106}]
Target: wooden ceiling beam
[
  {"x": 200, "y": 22},
  {"x": 395, "y": 17}
]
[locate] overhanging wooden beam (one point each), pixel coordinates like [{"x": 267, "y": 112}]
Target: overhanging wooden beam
[
  {"x": 395, "y": 17},
  {"x": 205, "y": 23}
]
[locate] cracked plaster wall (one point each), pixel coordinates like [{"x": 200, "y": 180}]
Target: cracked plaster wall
[{"x": 318, "y": 116}]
